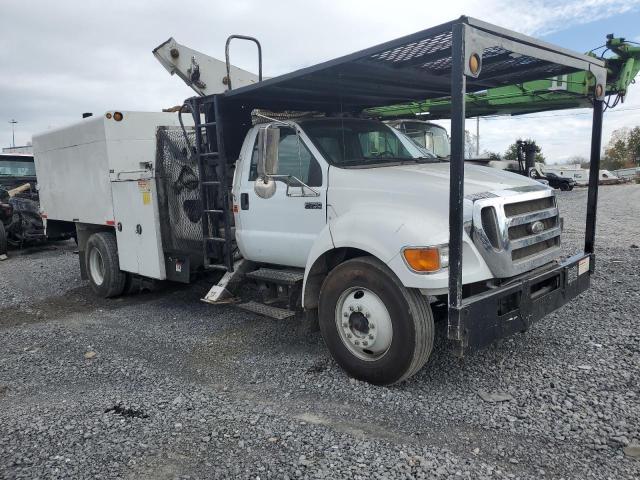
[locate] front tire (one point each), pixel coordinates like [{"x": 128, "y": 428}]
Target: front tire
[
  {"x": 103, "y": 268},
  {"x": 564, "y": 187},
  {"x": 376, "y": 329}
]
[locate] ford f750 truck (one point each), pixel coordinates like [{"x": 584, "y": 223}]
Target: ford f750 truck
[{"x": 283, "y": 183}]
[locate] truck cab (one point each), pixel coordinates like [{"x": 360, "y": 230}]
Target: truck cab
[{"x": 350, "y": 183}]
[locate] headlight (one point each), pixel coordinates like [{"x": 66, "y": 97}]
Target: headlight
[{"x": 426, "y": 259}]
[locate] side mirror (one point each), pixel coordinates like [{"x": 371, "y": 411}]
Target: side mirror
[{"x": 268, "y": 141}]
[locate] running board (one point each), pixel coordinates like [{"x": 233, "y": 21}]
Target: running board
[{"x": 267, "y": 310}]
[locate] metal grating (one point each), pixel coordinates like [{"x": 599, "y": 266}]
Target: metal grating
[
  {"x": 178, "y": 180},
  {"x": 412, "y": 68},
  {"x": 267, "y": 310},
  {"x": 283, "y": 277},
  {"x": 416, "y": 50}
]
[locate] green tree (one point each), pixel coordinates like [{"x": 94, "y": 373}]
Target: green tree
[
  {"x": 512, "y": 151},
  {"x": 623, "y": 149}
]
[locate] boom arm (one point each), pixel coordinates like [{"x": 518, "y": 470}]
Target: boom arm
[
  {"x": 566, "y": 91},
  {"x": 205, "y": 74}
]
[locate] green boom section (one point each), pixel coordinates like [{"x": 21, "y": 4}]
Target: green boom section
[{"x": 574, "y": 90}]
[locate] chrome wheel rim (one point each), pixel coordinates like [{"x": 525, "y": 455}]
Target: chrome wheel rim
[{"x": 363, "y": 323}]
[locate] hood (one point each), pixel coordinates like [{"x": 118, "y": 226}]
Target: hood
[
  {"x": 407, "y": 189},
  {"x": 427, "y": 177}
]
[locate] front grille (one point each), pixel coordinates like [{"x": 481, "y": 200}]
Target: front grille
[
  {"x": 519, "y": 208},
  {"x": 517, "y": 233}
]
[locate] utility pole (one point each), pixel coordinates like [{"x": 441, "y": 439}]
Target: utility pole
[
  {"x": 478, "y": 137},
  {"x": 13, "y": 132}
]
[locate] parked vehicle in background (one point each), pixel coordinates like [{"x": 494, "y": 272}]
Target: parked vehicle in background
[
  {"x": 556, "y": 181},
  {"x": 428, "y": 135},
  {"x": 18, "y": 182}
]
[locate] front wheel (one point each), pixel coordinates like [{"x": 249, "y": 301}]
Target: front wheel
[
  {"x": 103, "y": 267},
  {"x": 564, "y": 187},
  {"x": 375, "y": 328}
]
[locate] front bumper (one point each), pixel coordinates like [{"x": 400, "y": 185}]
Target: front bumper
[{"x": 503, "y": 311}]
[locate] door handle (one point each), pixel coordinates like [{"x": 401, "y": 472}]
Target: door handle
[{"x": 244, "y": 201}]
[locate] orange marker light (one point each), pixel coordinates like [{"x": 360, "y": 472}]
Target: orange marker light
[
  {"x": 117, "y": 116},
  {"x": 474, "y": 63},
  {"x": 422, "y": 259},
  {"x": 599, "y": 90}
]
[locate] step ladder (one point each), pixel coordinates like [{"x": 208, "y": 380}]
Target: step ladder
[{"x": 217, "y": 221}]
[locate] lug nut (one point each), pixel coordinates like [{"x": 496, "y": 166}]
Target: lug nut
[
  {"x": 365, "y": 344},
  {"x": 367, "y": 314},
  {"x": 349, "y": 335},
  {"x": 351, "y": 308},
  {"x": 346, "y": 314},
  {"x": 371, "y": 326},
  {"x": 357, "y": 342},
  {"x": 359, "y": 308},
  {"x": 370, "y": 337}
]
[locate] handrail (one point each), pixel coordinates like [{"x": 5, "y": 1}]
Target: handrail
[{"x": 226, "y": 54}]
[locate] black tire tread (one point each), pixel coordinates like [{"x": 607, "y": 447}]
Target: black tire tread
[
  {"x": 420, "y": 313},
  {"x": 114, "y": 277}
]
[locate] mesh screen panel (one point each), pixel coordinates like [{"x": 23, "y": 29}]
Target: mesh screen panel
[{"x": 178, "y": 178}]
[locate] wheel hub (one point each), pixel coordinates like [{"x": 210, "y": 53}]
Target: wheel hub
[
  {"x": 364, "y": 323},
  {"x": 358, "y": 323}
]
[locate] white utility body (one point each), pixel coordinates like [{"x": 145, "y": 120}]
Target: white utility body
[{"x": 101, "y": 172}]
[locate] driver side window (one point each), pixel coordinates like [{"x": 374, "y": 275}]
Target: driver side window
[{"x": 294, "y": 158}]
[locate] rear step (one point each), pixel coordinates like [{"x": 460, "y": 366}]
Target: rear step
[{"x": 267, "y": 310}]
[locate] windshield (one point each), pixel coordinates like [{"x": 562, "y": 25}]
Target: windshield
[
  {"x": 428, "y": 135},
  {"x": 358, "y": 142},
  {"x": 17, "y": 168}
]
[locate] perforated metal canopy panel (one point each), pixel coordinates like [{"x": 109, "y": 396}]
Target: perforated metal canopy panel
[{"x": 415, "y": 67}]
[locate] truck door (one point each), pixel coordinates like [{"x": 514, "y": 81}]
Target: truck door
[{"x": 282, "y": 229}]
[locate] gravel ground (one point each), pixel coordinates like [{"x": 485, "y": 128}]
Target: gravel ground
[{"x": 175, "y": 388}]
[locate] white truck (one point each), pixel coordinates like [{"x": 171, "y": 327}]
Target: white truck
[{"x": 329, "y": 213}]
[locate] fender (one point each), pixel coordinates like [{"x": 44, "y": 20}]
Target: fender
[
  {"x": 376, "y": 229},
  {"x": 382, "y": 231}
]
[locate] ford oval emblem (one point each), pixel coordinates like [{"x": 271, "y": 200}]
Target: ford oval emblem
[{"x": 536, "y": 227}]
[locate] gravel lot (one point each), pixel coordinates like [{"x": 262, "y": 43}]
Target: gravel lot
[{"x": 181, "y": 389}]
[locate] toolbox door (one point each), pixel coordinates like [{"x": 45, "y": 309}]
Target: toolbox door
[{"x": 137, "y": 222}]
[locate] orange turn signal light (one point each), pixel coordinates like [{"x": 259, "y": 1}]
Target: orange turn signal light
[{"x": 422, "y": 259}]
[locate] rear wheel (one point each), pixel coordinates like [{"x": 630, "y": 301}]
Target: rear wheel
[
  {"x": 564, "y": 187},
  {"x": 375, "y": 328},
  {"x": 103, "y": 268},
  {"x": 3, "y": 239}
]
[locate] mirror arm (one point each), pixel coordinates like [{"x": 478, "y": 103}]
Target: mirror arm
[{"x": 300, "y": 182}]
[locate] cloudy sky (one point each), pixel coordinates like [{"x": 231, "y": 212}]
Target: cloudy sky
[{"x": 67, "y": 57}]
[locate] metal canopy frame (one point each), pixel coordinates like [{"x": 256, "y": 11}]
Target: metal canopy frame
[{"x": 433, "y": 63}]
